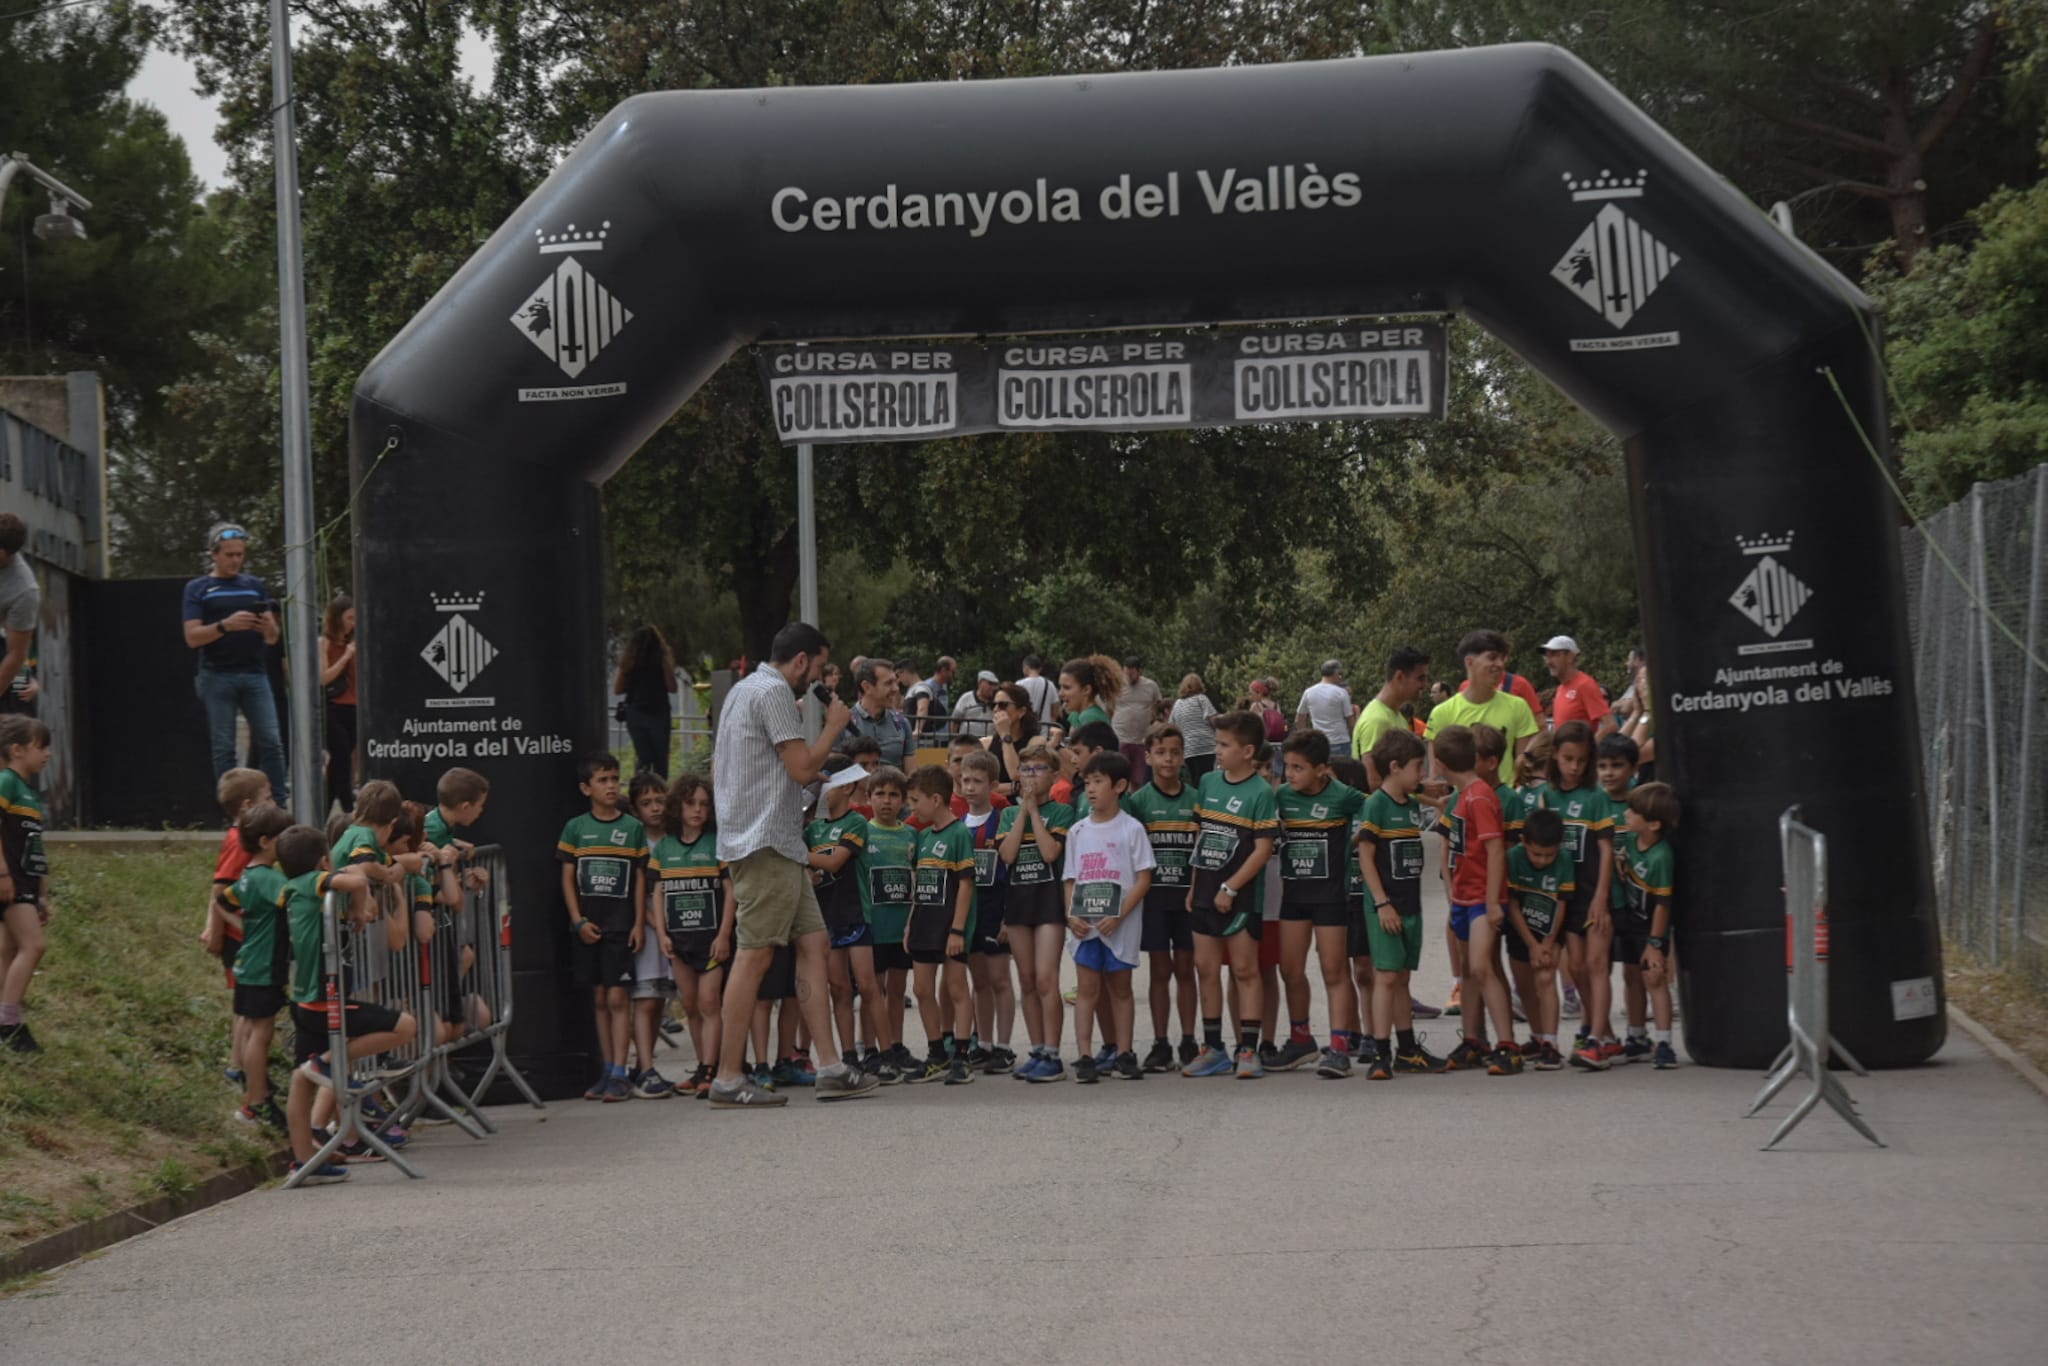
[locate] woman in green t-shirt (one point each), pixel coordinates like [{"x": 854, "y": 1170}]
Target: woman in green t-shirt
[{"x": 1089, "y": 687}]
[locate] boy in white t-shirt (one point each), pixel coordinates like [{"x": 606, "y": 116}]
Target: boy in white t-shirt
[{"x": 1108, "y": 873}]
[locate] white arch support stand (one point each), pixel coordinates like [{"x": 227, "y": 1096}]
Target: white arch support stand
[{"x": 1805, "y": 853}]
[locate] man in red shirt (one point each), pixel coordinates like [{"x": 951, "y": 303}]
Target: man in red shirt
[{"x": 1579, "y": 697}]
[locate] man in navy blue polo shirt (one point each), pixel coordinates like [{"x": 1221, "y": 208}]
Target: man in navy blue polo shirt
[{"x": 231, "y": 621}]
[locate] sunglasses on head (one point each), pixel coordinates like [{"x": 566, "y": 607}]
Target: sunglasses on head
[{"x": 233, "y": 533}]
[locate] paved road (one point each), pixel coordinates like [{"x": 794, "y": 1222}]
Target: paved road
[{"x": 1545, "y": 1218}]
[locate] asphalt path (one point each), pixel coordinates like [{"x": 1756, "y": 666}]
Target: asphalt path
[{"x": 1625, "y": 1216}]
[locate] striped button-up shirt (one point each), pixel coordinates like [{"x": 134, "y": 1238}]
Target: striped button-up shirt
[{"x": 758, "y": 806}]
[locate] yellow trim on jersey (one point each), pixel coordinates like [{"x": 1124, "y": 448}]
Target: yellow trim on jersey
[
  {"x": 664, "y": 871},
  {"x": 8, "y": 808},
  {"x": 1382, "y": 834},
  {"x": 602, "y": 850},
  {"x": 1231, "y": 818},
  {"x": 955, "y": 866}
]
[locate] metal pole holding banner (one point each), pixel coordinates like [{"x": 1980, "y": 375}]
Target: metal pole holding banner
[
  {"x": 301, "y": 613},
  {"x": 1805, "y": 854},
  {"x": 807, "y": 564}
]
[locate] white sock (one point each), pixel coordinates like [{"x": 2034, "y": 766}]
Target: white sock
[{"x": 1661, "y": 1035}]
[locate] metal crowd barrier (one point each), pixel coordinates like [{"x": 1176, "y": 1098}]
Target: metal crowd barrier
[
  {"x": 1805, "y": 854},
  {"x": 460, "y": 975}
]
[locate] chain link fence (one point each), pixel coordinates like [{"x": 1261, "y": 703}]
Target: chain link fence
[{"x": 1977, "y": 588}]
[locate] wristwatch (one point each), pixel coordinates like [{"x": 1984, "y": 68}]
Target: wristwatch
[
  {"x": 950, "y": 933},
  {"x": 1658, "y": 942},
  {"x": 1377, "y": 904},
  {"x": 1227, "y": 890}
]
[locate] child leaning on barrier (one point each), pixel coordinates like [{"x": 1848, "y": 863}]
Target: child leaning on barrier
[
  {"x": 24, "y": 872},
  {"x": 435, "y": 896},
  {"x": 369, "y": 1027},
  {"x": 250, "y": 908}
]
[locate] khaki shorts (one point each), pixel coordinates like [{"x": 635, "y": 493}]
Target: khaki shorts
[{"x": 775, "y": 900}]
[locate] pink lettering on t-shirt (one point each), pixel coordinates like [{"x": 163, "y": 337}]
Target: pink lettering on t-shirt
[{"x": 1097, "y": 867}]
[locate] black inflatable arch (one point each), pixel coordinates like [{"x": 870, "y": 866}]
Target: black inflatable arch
[{"x": 1511, "y": 184}]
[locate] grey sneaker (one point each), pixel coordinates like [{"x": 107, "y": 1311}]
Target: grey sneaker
[
  {"x": 840, "y": 1082},
  {"x": 743, "y": 1094},
  {"x": 1333, "y": 1064}
]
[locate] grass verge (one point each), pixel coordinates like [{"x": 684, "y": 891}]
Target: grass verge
[
  {"x": 127, "y": 1101},
  {"x": 2004, "y": 1002}
]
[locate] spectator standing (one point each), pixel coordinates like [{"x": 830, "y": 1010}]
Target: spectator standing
[
  {"x": 231, "y": 621},
  {"x": 1579, "y": 697},
  {"x": 1193, "y": 715},
  {"x": 1012, "y": 726},
  {"x": 974, "y": 711},
  {"x": 338, "y": 682},
  {"x": 1327, "y": 706},
  {"x": 1138, "y": 708},
  {"x": 21, "y": 605},
  {"x": 764, "y": 763},
  {"x": 645, "y": 678},
  {"x": 874, "y": 715},
  {"x": 1044, "y": 697},
  {"x": 1407, "y": 678}
]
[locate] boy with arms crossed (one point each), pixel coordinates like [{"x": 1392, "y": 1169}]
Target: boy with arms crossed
[
  {"x": 941, "y": 926},
  {"x": 1165, "y": 806},
  {"x": 602, "y": 852},
  {"x": 1390, "y": 864},
  {"x": 1238, "y": 821},
  {"x": 1316, "y": 812},
  {"x": 1478, "y": 877},
  {"x": 1109, "y": 871}
]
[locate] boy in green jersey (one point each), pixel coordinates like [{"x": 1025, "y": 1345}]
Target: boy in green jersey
[
  {"x": 835, "y": 837},
  {"x": 262, "y": 966},
  {"x": 1034, "y": 837},
  {"x": 1570, "y": 791},
  {"x": 1315, "y": 812},
  {"x": 941, "y": 926},
  {"x": 366, "y": 839},
  {"x": 459, "y": 799},
  {"x": 1353, "y": 771},
  {"x": 1643, "y": 854},
  {"x": 1614, "y": 764},
  {"x": 1390, "y": 858},
  {"x": 318, "y": 1011},
  {"x": 988, "y": 958},
  {"x": 885, "y": 872},
  {"x": 602, "y": 852},
  {"x": 1238, "y": 821},
  {"x": 1541, "y": 878},
  {"x": 1165, "y": 806},
  {"x": 24, "y": 871},
  {"x": 692, "y": 909}
]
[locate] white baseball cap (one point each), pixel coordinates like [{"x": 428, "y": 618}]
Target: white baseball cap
[
  {"x": 1560, "y": 643},
  {"x": 845, "y": 777}
]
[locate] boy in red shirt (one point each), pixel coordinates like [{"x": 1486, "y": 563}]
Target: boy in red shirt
[{"x": 1478, "y": 865}]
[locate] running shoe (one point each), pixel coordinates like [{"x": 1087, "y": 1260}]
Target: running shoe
[
  {"x": 1249, "y": 1068},
  {"x": 1548, "y": 1059},
  {"x": 1611, "y": 1050},
  {"x": 1417, "y": 1010},
  {"x": 764, "y": 1077},
  {"x": 1637, "y": 1049},
  {"x": 234, "y": 1076},
  {"x": 1210, "y": 1062},
  {"x": 653, "y": 1086},
  {"x": 802, "y": 1062},
  {"x": 885, "y": 1073},
  {"x": 1160, "y": 1059},
  {"x": 1105, "y": 1057},
  {"x": 326, "y": 1174},
  {"x": 871, "y": 1059},
  {"x": 358, "y": 1152},
  {"x": 1268, "y": 1051},
  {"x": 1046, "y": 1069},
  {"x": 1416, "y": 1061},
  {"x": 1333, "y": 1064},
  {"x": 1085, "y": 1069},
  {"x": 743, "y": 1094},
  {"x": 1290, "y": 1055},
  {"x": 958, "y": 1073},
  {"x": 1468, "y": 1056},
  {"x": 1588, "y": 1057},
  {"x": 1569, "y": 1007},
  {"x": 931, "y": 1069},
  {"x": 1665, "y": 1058},
  {"x": 978, "y": 1058},
  {"x": 1363, "y": 1049},
  {"x": 1188, "y": 1051},
  {"x": 789, "y": 1072},
  {"x": 615, "y": 1090},
  {"x": 1456, "y": 1005},
  {"x": 1029, "y": 1061},
  {"x": 1000, "y": 1060},
  {"x": 1127, "y": 1068},
  {"x": 270, "y": 1114},
  {"x": 1580, "y": 1038},
  {"x": 246, "y": 1114},
  {"x": 1382, "y": 1069},
  {"x": 844, "y": 1082},
  {"x": 671, "y": 1026},
  {"x": 1505, "y": 1062}
]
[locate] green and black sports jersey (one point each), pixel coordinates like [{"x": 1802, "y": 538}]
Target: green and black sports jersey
[
  {"x": 1315, "y": 837},
  {"x": 689, "y": 889},
  {"x": 1617, "y": 816},
  {"x": 1540, "y": 890},
  {"x": 839, "y": 894},
  {"x": 1035, "y": 881},
  {"x": 1232, "y": 819},
  {"x": 438, "y": 832},
  {"x": 1084, "y": 716},
  {"x": 21, "y": 836},
  {"x": 945, "y": 863},
  {"x": 266, "y": 944},
  {"x": 885, "y": 870},
  {"x": 300, "y": 900},
  {"x": 358, "y": 844},
  {"x": 1588, "y": 827},
  {"x": 605, "y": 854},
  {"x": 1647, "y": 876},
  {"x": 1170, "y": 827},
  {"x": 1395, "y": 830},
  {"x": 1514, "y": 810}
]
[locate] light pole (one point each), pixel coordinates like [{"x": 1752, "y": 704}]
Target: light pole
[{"x": 58, "y": 222}]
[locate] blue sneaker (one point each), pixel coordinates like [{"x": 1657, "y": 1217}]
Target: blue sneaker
[
  {"x": 235, "y": 1076},
  {"x": 1106, "y": 1059},
  {"x": 1665, "y": 1058},
  {"x": 1210, "y": 1062},
  {"x": 787, "y": 1073},
  {"x": 1249, "y": 1068},
  {"x": 1046, "y": 1069},
  {"x": 327, "y": 1174},
  {"x": 1022, "y": 1071}
]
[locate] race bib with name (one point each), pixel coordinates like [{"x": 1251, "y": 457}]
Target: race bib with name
[
  {"x": 1407, "y": 858},
  {"x": 1306, "y": 861},
  {"x": 1169, "y": 867},
  {"x": 1213, "y": 849},
  {"x": 889, "y": 886},
  {"x": 1095, "y": 901},
  {"x": 1030, "y": 868},
  {"x": 691, "y": 912},
  {"x": 984, "y": 867},
  {"x": 603, "y": 877},
  {"x": 931, "y": 886}
]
